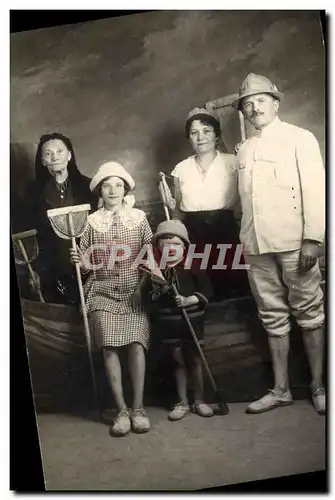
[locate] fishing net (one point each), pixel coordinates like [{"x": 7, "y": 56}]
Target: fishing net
[
  {"x": 25, "y": 247},
  {"x": 69, "y": 222}
]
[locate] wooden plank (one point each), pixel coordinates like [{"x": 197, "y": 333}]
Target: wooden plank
[
  {"x": 54, "y": 312},
  {"x": 236, "y": 366},
  {"x": 232, "y": 338},
  {"x": 233, "y": 358},
  {"x": 234, "y": 352}
]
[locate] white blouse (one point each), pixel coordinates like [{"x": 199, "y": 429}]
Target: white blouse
[{"x": 214, "y": 190}]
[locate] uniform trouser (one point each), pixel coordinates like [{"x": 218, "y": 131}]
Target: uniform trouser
[{"x": 281, "y": 289}]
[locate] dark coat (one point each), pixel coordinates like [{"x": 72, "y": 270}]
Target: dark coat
[
  {"x": 187, "y": 282},
  {"x": 57, "y": 274},
  {"x": 165, "y": 314}
]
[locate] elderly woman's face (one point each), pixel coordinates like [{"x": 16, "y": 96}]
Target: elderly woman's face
[
  {"x": 55, "y": 156},
  {"x": 112, "y": 191},
  {"x": 202, "y": 137}
]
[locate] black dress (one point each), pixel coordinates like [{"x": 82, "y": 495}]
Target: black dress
[{"x": 219, "y": 227}]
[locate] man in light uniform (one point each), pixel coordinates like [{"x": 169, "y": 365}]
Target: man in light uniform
[{"x": 282, "y": 188}]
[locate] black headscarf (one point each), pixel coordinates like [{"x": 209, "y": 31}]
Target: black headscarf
[
  {"x": 53, "y": 262},
  {"x": 79, "y": 182},
  {"x": 42, "y": 174}
]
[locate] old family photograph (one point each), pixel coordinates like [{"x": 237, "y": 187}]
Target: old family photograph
[{"x": 168, "y": 192}]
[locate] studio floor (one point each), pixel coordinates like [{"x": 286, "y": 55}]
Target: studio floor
[{"x": 194, "y": 453}]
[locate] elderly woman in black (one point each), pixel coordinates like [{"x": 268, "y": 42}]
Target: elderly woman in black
[
  {"x": 58, "y": 183},
  {"x": 206, "y": 198}
]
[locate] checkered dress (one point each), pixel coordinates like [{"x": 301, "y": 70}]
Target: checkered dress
[{"x": 109, "y": 287}]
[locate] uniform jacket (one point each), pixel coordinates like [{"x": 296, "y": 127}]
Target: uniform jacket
[{"x": 281, "y": 181}]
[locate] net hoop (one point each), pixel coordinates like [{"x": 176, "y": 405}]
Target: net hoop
[
  {"x": 24, "y": 234},
  {"x": 69, "y": 222},
  {"x": 66, "y": 210}
]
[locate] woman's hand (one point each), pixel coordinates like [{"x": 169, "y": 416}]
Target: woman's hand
[{"x": 171, "y": 204}]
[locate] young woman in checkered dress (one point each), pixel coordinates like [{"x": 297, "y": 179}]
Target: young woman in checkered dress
[{"x": 116, "y": 316}]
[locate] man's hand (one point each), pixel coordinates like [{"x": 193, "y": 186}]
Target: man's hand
[
  {"x": 309, "y": 254},
  {"x": 182, "y": 301}
]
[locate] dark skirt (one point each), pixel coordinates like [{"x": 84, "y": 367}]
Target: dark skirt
[{"x": 215, "y": 227}]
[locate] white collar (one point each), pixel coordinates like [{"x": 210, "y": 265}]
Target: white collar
[
  {"x": 102, "y": 218},
  {"x": 198, "y": 167}
]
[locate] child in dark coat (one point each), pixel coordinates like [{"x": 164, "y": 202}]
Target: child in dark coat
[{"x": 194, "y": 290}]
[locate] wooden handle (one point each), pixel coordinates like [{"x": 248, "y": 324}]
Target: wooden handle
[
  {"x": 196, "y": 342},
  {"x": 167, "y": 214},
  {"x": 84, "y": 312},
  {"x": 242, "y": 126},
  {"x": 162, "y": 194},
  {"x": 30, "y": 270}
]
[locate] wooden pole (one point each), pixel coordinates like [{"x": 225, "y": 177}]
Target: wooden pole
[
  {"x": 86, "y": 324},
  {"x": 30, "y": 270},
  {"x": 242, "y": 126}
]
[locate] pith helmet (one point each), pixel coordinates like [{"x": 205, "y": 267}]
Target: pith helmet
[{"x": 256, "y": 84}]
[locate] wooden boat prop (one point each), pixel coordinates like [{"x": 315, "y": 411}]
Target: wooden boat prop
[{"x": 57, "y": 351}]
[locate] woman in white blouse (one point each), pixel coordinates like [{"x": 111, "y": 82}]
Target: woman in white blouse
[{"x": 206, "y": 197}]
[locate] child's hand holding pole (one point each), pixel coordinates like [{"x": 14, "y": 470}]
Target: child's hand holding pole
[
  {"x": 182, "y": 301},
  {"x": 77, "y": 257}
]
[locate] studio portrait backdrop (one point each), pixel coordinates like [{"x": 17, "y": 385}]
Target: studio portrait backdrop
[{"x": 121, "y": 90}]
